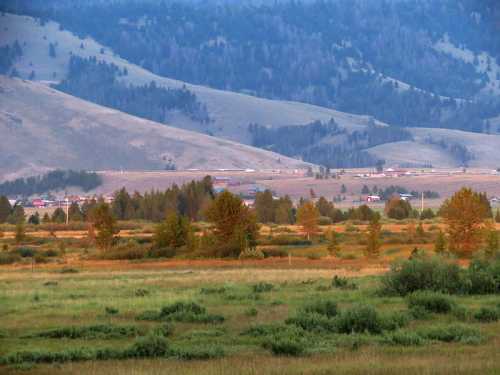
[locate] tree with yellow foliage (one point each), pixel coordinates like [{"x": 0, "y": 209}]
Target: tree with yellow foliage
[
  {"x": 465, "y": 214},
  {"x": 308, "y": 217}
]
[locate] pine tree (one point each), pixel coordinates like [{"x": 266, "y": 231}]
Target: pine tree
[
  {"x": 440, "y": 243},
  {"x": 34, "y": 219},
  {"x": 58, "y": 216},
  {"x": 74, "y": 212},
  {"x": 497, "y": 216},
  {"x": 343, "y": 189},
  {"x": 172, "y": 233},
  {"x": 420, "y": 232},
  {"x": 333, "y": 243},
  {"x": 264, "y": 207},
  {"x": 5, "y": 209},
  {"x": 105, "y": 224},
  {"x": 491, "y": 240},
  {"x": 20, "y": 234}
]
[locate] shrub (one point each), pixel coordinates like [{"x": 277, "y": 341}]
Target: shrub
[
  {"x": 313, "y": 322},
  {"x": 483, "y": 277},
  {"x": 214, "y": 290},
  {"x": 359, "y": 319},
  {"x": 326, "y": 308},
  {"x": 111, "y": 310},
  {"x": 251, "y": 312},
  {"x": 9, "y": 258},
  {"x": 419, "y": 312},
  {"x": 431, "y": 301},
  {"x": 343, "y": 283},
  {"x": 283, "y": 240},
  {"x": 422, "y": 273},
  {"x": 251, "y": 254},
  {"x": 452, "y": 333},
  {"x": 189, "y": 312},
  {"x": 198, "y": 353},
  {"x": 262, "y": 330},
  {"x": 25, "y": 252},
  {"x": 51, "y": 253},
  {"x": 127, "y": 251},
  {"x": 262, "y": 287},
  {"x": 40, "y": 356},
  {"x": 403, "y": 338},
  {"x": 68, "y": 270},
  {"x": 288, "y": 342},
  {"x": 487, "y": 315},
  {"x": 141, "y": 292},
  {"x": 394, "y": 321},
  {"x": 90, "y": 332},
  {"x": 275, "y": 252},
  {"x": 149, "y": 315},
  {"x": 164, "y": 330},
  {"x": 151, "y": 346}
]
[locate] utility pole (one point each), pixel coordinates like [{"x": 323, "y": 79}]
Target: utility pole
[
  {"x": 67, "y": 211},
  {"x": 422, "y": 204}
]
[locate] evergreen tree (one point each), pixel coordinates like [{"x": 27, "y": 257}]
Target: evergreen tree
[
  {"x": 235, "y": 226},
  {"x": 58, "y": 216},
  {"x": 172, "y": 233},
  {"x": 497, "y": 216},
  {"x": 397, "y": 208},
  {"x": 343, "y": 189},
  {"x": 365, "y": 190},
  {"x": 440, "y": 243},
  {"x": 333, "y": 243},
  {"x": 104, "y": 223},
  {"x": 74, "y": 212},
  {"x": 34, "y": 219},
  {"x": 491, "y": 240},
  {"x": 265, "y": 207},
  {"x": 284, "y": 211},
  {"x": 122, "y": 205},
  {"x": 17, "y": 215},
  {"x": 5, "y": 209},
  {"x": 46, "y": 218}
]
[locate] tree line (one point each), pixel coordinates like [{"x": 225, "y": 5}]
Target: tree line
[{"x": 51, "y": 181}]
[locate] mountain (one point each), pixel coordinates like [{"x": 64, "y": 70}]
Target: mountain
[
  {"x": 81, "y": 66},
  {"x": 45, "y": 129},
  {"x": 410, "y": 63}
]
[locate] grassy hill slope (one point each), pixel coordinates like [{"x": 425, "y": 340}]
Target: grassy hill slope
[{"x": 43, "y": 129}]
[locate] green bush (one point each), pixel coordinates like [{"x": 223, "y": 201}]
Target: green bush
[
  {"x": 25, "y": 252},
  {"x": 151, "y": 346},
  {"x": 289, "y": 342},
  {"x": 343, "y": 283},
  {"x": 262, "y": 330},
  {"x": 111, "y": 310},
  {"x": 40, "y": 356},
  {"x": 188, "y": 312},
  {"x": 275, "y": 252},
  {"x": 419, "y": 312},
  {"x": 251, "y": 312},
  {"x": 483, "y": 277},
  {"x": 9, "y": 258},
  {"x": 213, "y": 290},
  {"x": 313, "y": 322},
  {"x": 198, "y": 353},
  {"x": 422, "y": 273},
  {"x": 164, "y": 330},
  {"x": 262, "y": 287},
  {"x": 101, "y": 331},
  {"x": 452, "y": 333},
  {"x": 403, "y": 338},
  {"x": 486, "y": 315},
  {"x": 359, "y": 319},
  {"x": 326, "y": 308},
  {"x": 431, "y": 301}
]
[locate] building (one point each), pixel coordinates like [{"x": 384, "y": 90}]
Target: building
[{"x": 373, "y": 198}]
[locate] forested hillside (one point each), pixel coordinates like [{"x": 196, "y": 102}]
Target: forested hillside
[
  {"x": 98, "y": 82},
  {"x": 399, "y": 61}
]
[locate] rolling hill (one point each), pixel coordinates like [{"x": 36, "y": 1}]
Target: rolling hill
[
  {"x": 44, "y": 129},
  {"x": 231, "y": 112}
]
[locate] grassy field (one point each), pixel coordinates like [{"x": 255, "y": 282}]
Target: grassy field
[
  {"x": 66, "y": 309},
  {"x": 35, "y": 304}
]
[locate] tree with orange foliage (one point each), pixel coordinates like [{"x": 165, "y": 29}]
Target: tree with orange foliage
[
  {"x": 308, "y": 217},
  {"x": 465, "y": 214}
]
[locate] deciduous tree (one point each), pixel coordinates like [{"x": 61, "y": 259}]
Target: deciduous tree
[
  {"x": 308, "y": 217},
  {"x": 465, "y": 214}
]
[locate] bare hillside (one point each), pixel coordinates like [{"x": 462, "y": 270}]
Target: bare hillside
[{"x": 44, "y": 129}]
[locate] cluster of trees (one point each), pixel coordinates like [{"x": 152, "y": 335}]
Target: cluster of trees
[
  {"x": 458, "y": 151},
  {"x": 98, "y": 82},
  {"x": 51, "y": 181},
  {"x": 326, "y": 144},
  {"x": 330, "y": 53},
  {"x": 8, "y": 56},
  {"x": 392, "y": 190}
]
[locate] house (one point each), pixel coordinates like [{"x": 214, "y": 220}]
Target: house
[
  {"x": 12, "y": 202},
  {"x": 373, "y": 198},
  {"x": 406, "y": 197},
  {"x": 38, "y": 203}
]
